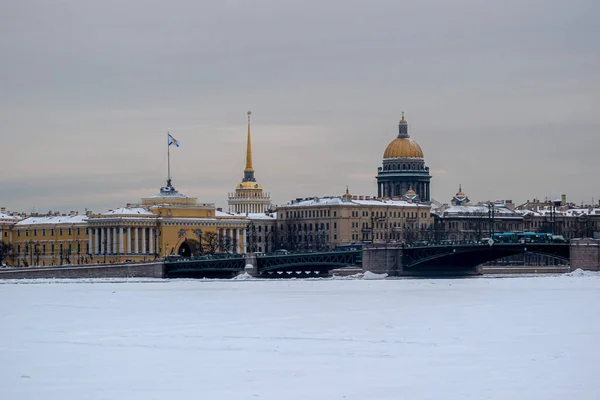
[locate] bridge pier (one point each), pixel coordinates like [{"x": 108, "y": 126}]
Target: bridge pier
[
  {"x": 585, "y": 254},
  {"x": 383, "y": 259},
  {"x": 251, "y": 267}
]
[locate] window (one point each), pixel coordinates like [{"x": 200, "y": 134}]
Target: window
[
  {"x": 335, "y": 213},
  {"x": 35, "y": 232},
  {"x": 43, "y": 232},
  {"x": 69, "y": 231},
  {"x": 26, "y": 233},
  {"x": 335, "y": 225},
  {"x": 60, "y": 232},
  {"x": 5, "y": 234},
  {"x": 78, "y": 230},
  {"x": 51, "y": 232}
]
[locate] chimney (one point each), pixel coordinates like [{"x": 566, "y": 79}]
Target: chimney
[
  {"x": 3, "y": 210},
  {"x": 563, "y": 199}
]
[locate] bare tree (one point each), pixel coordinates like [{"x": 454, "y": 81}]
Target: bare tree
[
  {"x": 6, "y": 250},
  {"x": 226, "y": 244},
  {"x": 211, "y": 242}
]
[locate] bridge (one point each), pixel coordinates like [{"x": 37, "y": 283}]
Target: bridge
[
  {"x": 459, "y": 259},
  {"x": 270, "y": 265},
  {"x": 393, "y": 259}
]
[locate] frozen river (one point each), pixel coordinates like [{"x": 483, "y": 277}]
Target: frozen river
[{"x": 484, "y": 338}]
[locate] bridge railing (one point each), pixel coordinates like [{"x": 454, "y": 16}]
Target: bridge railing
[{"x": 205, "y": 257}]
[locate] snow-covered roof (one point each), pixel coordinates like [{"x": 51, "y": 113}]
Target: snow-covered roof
[
  {"x": 7, "y": 217},
  {"x": 547, "y": 211},
  {"x": 526, "y": 212},
  {"x": 250, "y": 216},
  {"x": 329, "y": 201},
  {"x": 129, "y": 211},
  {"x": 53, "y": 220},
  {"x": 478, "y": 211}
]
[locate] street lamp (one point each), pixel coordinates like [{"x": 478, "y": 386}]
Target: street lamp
[{"x": 491, "y": 213}]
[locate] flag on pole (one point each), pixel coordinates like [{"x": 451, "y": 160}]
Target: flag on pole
[{"x": 173, "y": 141}]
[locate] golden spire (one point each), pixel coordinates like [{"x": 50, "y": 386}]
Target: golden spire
[{"x": 249, "y": 149}]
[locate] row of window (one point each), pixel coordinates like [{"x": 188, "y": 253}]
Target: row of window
[
  {"x": 41, "y": 250},
  {"x": 355, "y": 214},
  {"x": 310, "y": 214},
  {"x": 398, "y": 167},
  {"x": 309, "y": 227},
  {"x": 60, "y": 232}
]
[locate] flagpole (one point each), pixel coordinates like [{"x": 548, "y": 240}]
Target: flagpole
[{"x": 168, "y": 161}]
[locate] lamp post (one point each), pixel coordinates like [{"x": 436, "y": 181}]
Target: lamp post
[{"x": 491, "y": 217}]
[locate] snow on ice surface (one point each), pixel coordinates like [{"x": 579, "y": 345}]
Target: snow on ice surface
[{"x": 519, "y": 338}]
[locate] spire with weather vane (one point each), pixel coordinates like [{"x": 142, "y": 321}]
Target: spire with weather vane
[{"x": 249, "y": 171}]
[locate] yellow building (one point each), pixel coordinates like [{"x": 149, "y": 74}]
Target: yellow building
[
  {"x": 50, "y": 240},
  {"x": 165, "y": 224}
]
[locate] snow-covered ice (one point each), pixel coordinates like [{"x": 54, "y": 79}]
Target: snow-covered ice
[{"x": 483, "y": 338}]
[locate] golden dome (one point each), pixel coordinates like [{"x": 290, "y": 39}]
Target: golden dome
[
  {"x": 410, "y": 191},
  {"x": 347, "y": 195},
  {"x": 403, "y": 148},
  {"x": 249, "y": 185}
]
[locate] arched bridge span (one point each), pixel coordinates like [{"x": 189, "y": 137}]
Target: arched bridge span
[{"x": 468, "y": 257}]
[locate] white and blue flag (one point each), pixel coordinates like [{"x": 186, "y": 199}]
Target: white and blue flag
[{"x": 173, "y": 141}]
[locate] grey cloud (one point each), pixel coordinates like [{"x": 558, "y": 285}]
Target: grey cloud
[{"x": 500, "y": 96}]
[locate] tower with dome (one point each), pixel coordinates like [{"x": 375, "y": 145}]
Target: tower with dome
[{"x": 403, "y": 172}]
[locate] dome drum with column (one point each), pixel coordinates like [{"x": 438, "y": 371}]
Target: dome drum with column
[{"x": 403, "y": 167}]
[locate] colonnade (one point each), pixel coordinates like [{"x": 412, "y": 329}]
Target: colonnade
[
  {"x": 250, "y": 208},
  {"x": 129, "y": 240},
  {"x": 234, "y": 236}
]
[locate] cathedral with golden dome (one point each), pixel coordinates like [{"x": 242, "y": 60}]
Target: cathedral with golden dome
[{"x": 403, "y": 172}]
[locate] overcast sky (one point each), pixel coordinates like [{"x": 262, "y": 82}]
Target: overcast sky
[{"x": 502, "y": 96}]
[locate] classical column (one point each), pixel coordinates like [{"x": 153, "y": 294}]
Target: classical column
[
  {"x": 102, "y": 244},
  {"x": 231, "y": 239},
  {"x": 90, "y": 241},
  {"x": 151, "y": 240},
  {"x": 136, "y": 243},
  {"x": 128, "y": 240},
  {"x": 220, "y": 234},
  {"x": 121, "y": 243},
  {"x": 144, "y": 240},
  {"x": 96, "y": 241},
  {"x": 108, "y": 241},
  {"x": 244, "y": 241},
  {"x": 236, "y": 244},
  {"x": 115, "y": 249}
]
